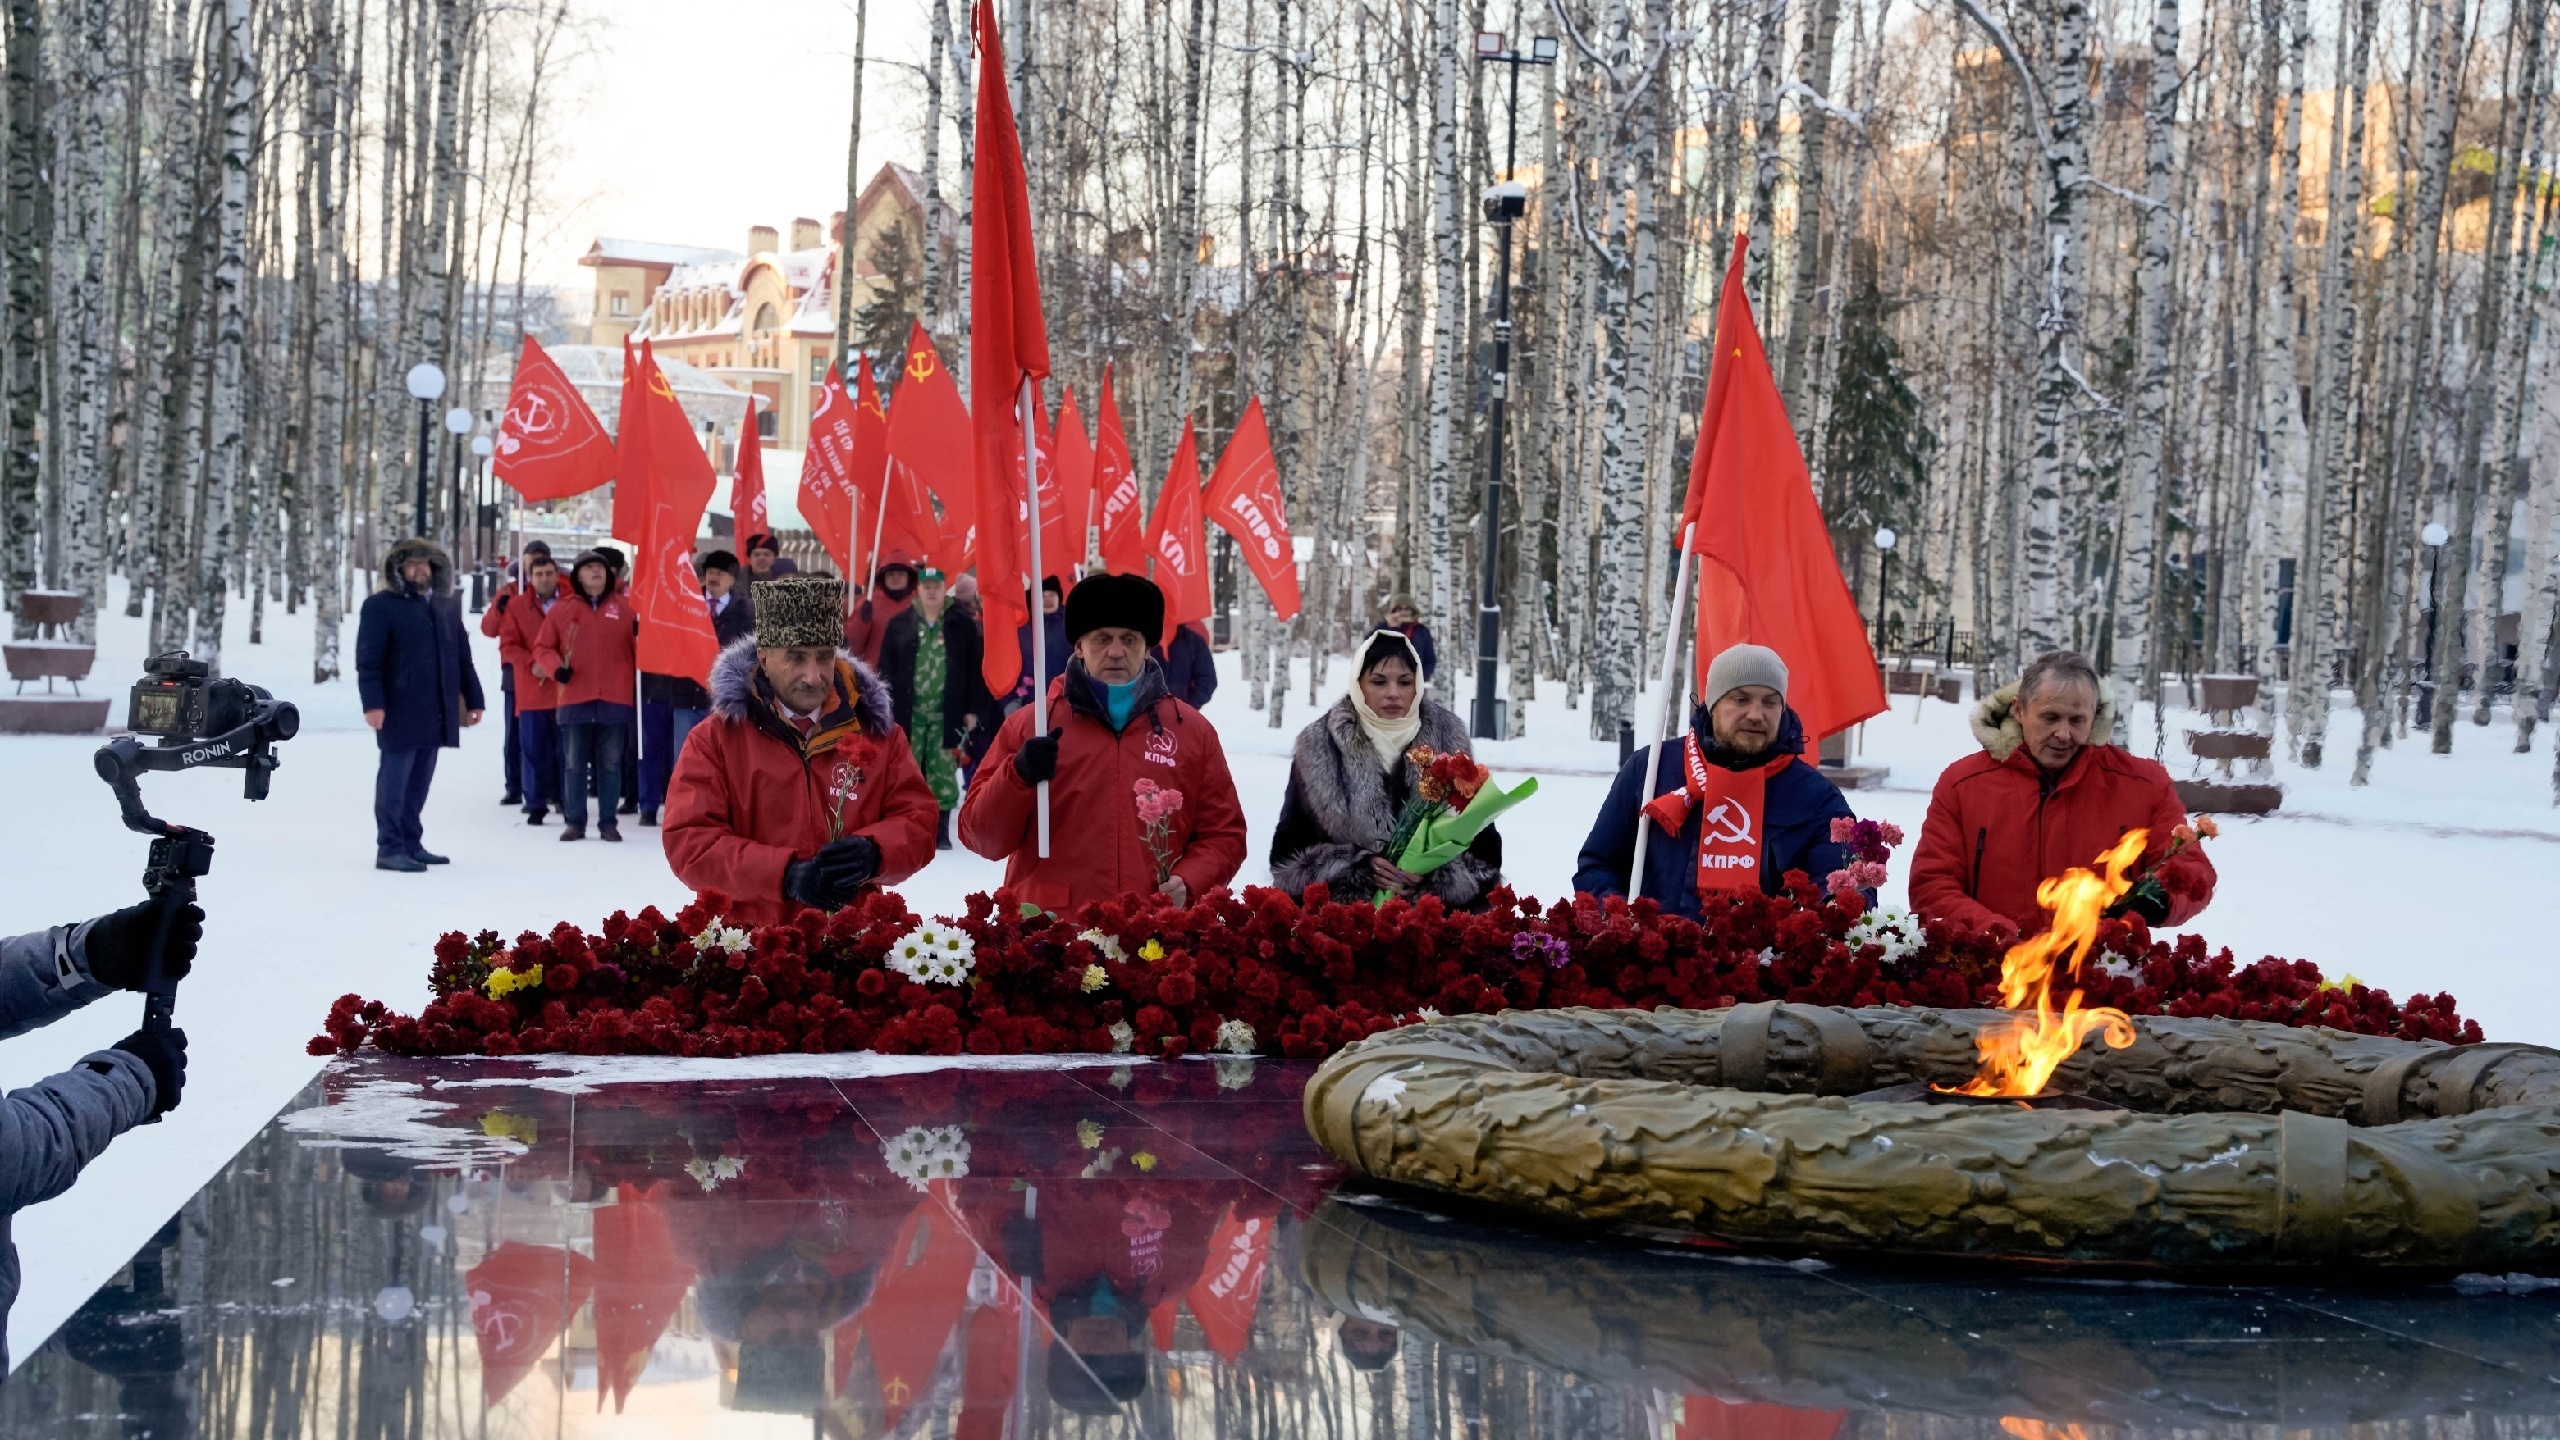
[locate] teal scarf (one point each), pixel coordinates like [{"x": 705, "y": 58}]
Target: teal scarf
[{"x": 1118, "y": 701}]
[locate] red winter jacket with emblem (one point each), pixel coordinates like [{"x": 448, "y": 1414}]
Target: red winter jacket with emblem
[
  {"x": 594, "y": 638},
  {"x": 1998, "y": 826},
  {"x": 518, "y": 628},
  {"x": 750, "y": 794},
  {"x": 1096, "y": 848}
]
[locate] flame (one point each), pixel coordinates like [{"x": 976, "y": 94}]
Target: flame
[
  {"x": 2019, "y": 1056},
  {"x": 2021, "y": 1428}
]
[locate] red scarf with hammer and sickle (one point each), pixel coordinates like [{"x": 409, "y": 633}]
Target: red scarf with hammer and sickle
[{"x": 1734, "y": 803}]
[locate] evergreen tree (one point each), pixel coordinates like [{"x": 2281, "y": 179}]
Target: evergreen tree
[
  {"x": 1876, "y": 451},
  {"x": 880, "y": 323}
]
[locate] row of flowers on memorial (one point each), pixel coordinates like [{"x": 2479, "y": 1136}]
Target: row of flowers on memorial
[{"x": 1255, "y": 972}]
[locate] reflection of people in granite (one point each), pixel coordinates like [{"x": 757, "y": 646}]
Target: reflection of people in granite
[
  {"x": 776, "y": 1275},
  {"x": 132, "y": 1333}
]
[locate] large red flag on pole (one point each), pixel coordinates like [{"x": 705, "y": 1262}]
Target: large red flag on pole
[
  {"x": 931, "y": 441},
  {"x": 1008, "y": 358},
  {"x": 676, "y": 637},
  {"x": 1766, "y": 574},
  {"x": 1115, "y": 487},
  {"x": 1244, "y": 498},
  {"x": 1177, "y": 540},
  {"x": 830, "y": 496},
  {"x": 898, "y": 513},
  {"x": 748, "y": 512},
  {"x": 630, "y": 481},
  {"x": 550, "y": 444},
  {"x": 1073, "y": 526}
]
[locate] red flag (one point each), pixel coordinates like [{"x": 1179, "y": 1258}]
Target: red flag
[
  {"x": 550, "y": 444},
  {"x": 675, "y": 622},
  {"x": 1230, "y": 1285},
  {"x": 1008, "y": 349},
  {"x": 1703, "y": 1417},
  {"x": 829, "y": 494},
  {"x": 991, "y": 1373},
  {"x": 916, "y": 1302},
  {"x": 1075, "y": 493},
  {"x": 907, "y": 524},
  {"x": 1244, "y": 498},
  {"x": 1766, "y": 571},
  {"x": 930, "y": 438},
  {"x": 1115, "y": 484},
  {"x": 521, "y": 1299},
  {"x": 748, "y": 514},
  {"x": 1177, "y": 541},
  {"x": 630, "y": 483},
  {"x": 639, "y": 1284}
]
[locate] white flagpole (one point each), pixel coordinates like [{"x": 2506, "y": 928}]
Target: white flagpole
[
  {"x": 879, "y": 522},
  {"x": 1039, "y": 622},
  {"x": 1662, "y": 712}
]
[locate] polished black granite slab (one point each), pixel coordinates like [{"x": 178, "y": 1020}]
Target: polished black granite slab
[{"x": 486, "y": 1249}]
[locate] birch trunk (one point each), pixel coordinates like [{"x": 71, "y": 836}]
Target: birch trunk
[
  {"x": 227, "y": 399},
  {"x": 78, "y": 326},
  {"x": 1768, "y": 64},
  {"x": 2140, "y": 494},
  {"x": 1804, "y": 307},
  {"x": 2281, "y": 457},
  {"x": 324, "y": 441},
  {"x": 1449, "y": 361},
  {"x": 22, "y": 250}
]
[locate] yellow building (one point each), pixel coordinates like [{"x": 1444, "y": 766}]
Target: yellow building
[{"x": 762, "y": 320}]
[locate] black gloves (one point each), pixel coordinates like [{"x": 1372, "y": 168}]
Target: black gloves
[
  {"x": 118, "y": 946},
  {"x": 1037, "y": 760},
  {"x": 503, "y": 597},
  {"x": 164, "y": 1052},
  {"x": 848, "y": 864},
  {"x": 2148, "y": 898},
  {"x": 560, "y": 675}
]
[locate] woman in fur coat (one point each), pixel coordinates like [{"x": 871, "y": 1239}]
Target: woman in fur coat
[{"x": 1349, "y": 779}]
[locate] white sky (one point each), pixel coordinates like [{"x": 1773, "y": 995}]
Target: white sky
[{"x": 688, "y": 123}]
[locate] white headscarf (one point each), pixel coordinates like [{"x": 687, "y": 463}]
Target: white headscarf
[{"x": 1390, "y": 737}]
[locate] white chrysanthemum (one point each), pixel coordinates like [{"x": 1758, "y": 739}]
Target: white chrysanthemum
[
  {"x": 723, "y": 937},
  {"x": 1089, "y": 1134},
  {"x": 1427, "y": 1013},
  {"x": 1898, "y": 931},
  {"x": 934, "y": 955},
  {"x": 921, "y": 1154},
  {"x": 1234, "y": 1037},
  {"x": 1122, "y": 1037},
  {"x": 1109, "y": 946},
  {"x": 709, "y": 1173},
  {"x": 1095, "y": 978}
]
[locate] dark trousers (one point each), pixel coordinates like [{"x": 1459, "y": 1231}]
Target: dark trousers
[
  {"x": 589, "y": 749},
  {"x": 538, "y": 757},
  {"x": 662, "y": 731},
  {"x": 400, "y": 797},
  {"x": 515, "y": 753}
]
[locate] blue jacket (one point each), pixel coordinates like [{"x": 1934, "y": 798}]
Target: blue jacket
[
  {"x": 413, "y": 662},
  {"x": 1795, "y": 823},
  {"x": 1190, "y": 675},
  {"x": 1423, "y": 645},
  {"x": 51, "y": 1129}
]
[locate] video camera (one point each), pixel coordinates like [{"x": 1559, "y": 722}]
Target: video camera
[{"x": 199, "y": 721}]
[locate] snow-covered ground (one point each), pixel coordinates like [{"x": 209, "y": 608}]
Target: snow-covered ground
[{"x": 2427, "y": 879}]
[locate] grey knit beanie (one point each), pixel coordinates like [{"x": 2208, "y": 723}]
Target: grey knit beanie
[{"x": 1741, "y": 665}]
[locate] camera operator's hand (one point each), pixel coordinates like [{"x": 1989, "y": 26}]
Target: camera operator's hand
[
  {"x": 373, "y": 718},
  {"x": 118, "y": 946},
  {"x": 164, "y": 1052}
]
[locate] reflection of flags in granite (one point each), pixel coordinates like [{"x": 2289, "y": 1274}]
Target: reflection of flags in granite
[
  {"x": 1703, "y": 1418},
  {"x": 639, "y": 1284},
  {"x": 994, "y": 1364},
  {"x": 1230, "y": 1286},
  {"x": 916, "y": 1301},
  {"x": 521, "y": 1299}
]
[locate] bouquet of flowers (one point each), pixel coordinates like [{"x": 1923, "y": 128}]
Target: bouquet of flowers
[
  {"x": 1451, "y": 805},
  {"x": 1156, "y": 808},
  {"x": 1870, "y": 843},
  {"x": 2150, "y": 894}
]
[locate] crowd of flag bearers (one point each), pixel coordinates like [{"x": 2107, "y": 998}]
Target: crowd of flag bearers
[{"x": 1025, "y": 668}]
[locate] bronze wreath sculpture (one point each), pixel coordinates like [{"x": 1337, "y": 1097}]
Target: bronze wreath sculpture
[{"x": 2243, "y": 1144}]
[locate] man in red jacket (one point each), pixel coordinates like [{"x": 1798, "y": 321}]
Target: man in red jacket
[
  {"x": 2045, "y": 795},
  {"x": 1139, "y": 794},
  {"x": 798, "y": 788},
  {"x": 513, "y": 663},
  {"x": 520, "y": 612}
]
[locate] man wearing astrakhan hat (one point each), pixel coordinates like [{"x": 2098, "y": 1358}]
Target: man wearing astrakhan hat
[
  {"x": 798, "y": 789},
  {"x": 1140, "y": 799}
]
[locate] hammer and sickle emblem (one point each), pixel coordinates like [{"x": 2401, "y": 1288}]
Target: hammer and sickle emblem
[
  {"x": 919, "y": 364},
  {"x": 1729, "y": 824},
  {"x": 897, "y": 1391}
]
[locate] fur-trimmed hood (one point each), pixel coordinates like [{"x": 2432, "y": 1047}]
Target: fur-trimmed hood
[
  {"x": 1995, "y": 721},
  {"x": 1341, "y": 780},
  {"x": 733, "y": 687},
  {"x": 418, "y": 548}
]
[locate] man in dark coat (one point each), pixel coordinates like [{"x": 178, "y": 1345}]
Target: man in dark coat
[
  {"x": 418, "y": 686},
  {"x": 1190, "y": 674},
  {"x": 1733, "y": 804}
]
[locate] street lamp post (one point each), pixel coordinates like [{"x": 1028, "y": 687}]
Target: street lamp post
[
  {"x": 1503, "y": 204},
  {"x": 2434, "y": 535},
  {"x": 1884, "y": 580},
  {"x": 457, "y": 423},
  {"x": 426, "y": 385},
  {"x": 482, "y": 537}
]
